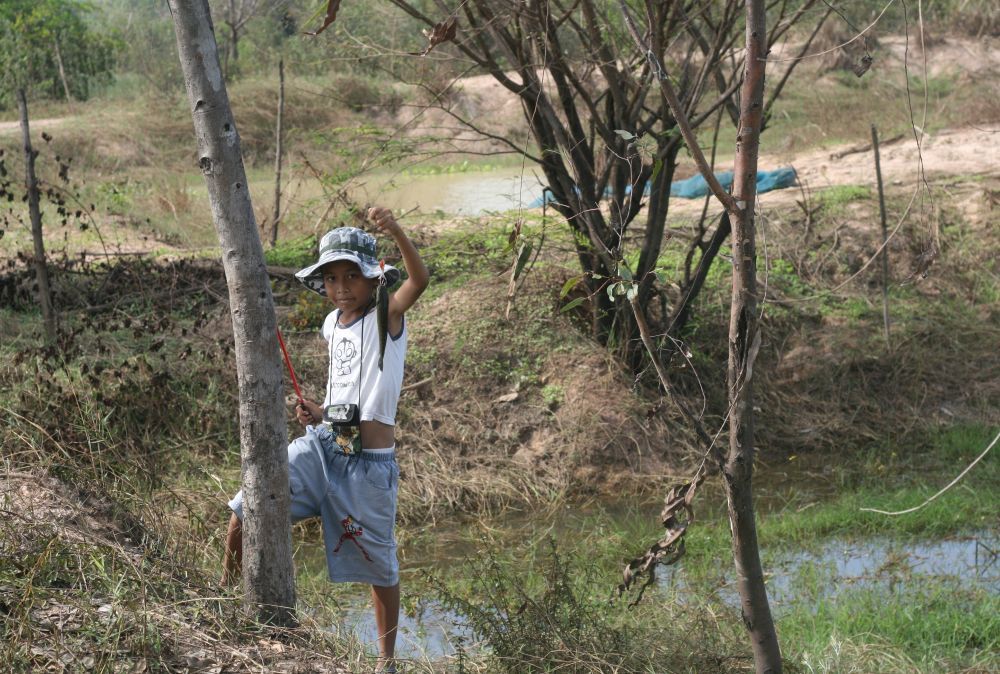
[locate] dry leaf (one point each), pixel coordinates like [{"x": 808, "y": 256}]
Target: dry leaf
[
  {"x": 440, "y": 33},
  {"x": 863, "y": 65},
  {"x": 331, "y": 16},
  {"x": 676, "y": 515}
]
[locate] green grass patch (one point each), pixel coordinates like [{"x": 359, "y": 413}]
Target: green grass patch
[
  {"x": 836, "y": 198},
  {"x": 298, "y": 252},
  {"x": 926, "y": 626}
]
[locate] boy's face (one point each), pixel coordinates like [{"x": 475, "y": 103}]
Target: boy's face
[{"x": 346, "y": 287}]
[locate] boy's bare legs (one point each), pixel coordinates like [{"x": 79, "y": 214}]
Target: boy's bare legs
[
  {"x": 386, "y": 601},
  {"x": 232, "y": 560}
]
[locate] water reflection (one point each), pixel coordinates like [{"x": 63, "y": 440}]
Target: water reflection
[
  {"x": 431, "y": 632},
  {"x": 839, "y": 565}
]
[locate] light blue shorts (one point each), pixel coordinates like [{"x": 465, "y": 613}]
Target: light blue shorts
[{"x": 355, "y": 494}]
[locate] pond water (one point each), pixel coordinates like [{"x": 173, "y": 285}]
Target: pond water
[
  {"x": 839, "y": 565},
  {"x": 463, "y": 193},
  {"x": 430, "y": 630}
]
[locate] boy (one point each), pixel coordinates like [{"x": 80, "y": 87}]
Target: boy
[{"x": 347, "y": 474}]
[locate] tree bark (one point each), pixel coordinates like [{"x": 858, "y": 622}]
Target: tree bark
[
  {"x": 277, "y": 154},
  {"x": 744, "y": 342},
  {"x": 267, "y": 546},
  {"x": 35, "y": 213}
]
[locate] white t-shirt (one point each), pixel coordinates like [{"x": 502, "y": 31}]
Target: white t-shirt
[{"x": 353, "y": 351}]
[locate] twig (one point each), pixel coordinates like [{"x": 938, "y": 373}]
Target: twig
[
  {"x": 647, "y": 341},
  {"x": 863, "y": 147},
  {"x": 726, "y": 199},
  {"x": 415, "y": 385},
  {"x": 950, "y": 485}
]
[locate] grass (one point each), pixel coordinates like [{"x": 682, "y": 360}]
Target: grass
[
  {"x": 927, "y": 626},
  {"x": 825, "y": 110}
]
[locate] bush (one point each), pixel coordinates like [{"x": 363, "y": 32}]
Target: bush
[
  {"x": 358, "y": 94},
  {"x": 294, "y": 253},
  {"x": 557, "y": 626}
]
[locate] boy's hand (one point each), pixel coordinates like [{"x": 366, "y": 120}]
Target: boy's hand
[
  {"x": 383, "y": 219},
  {"x": 308, "y": 413}
]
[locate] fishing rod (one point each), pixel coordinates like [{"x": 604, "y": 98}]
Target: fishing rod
[{"x": 291, "y": 370}]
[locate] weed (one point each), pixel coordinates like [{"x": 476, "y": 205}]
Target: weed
[
  {"x": 553, "y": 395},
  {"x": 361, "y": 93},
  {"x": 294, "y": 253},
  {"x": 555, "y": 618},
  {"x": 309, "y": 311},
  {"x": 834, "y": 199}
]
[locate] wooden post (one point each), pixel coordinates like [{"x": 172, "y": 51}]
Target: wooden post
[
  {"x": 35, "y": 213},
  {"x": 268, "y": 576},
  {"x": 277, "y": 154},
  {"x": 885, "y": 237}
]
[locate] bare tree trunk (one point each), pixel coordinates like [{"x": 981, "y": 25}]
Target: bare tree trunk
[
  {"x": 62, "y": 71},
  {"x": 232, "y": 53},
  {"x": 267, "y": 558},
  {"x": 744, "y": 342},
  {"x": 41, "y": 268},
  {"x": 885, "y": 236},
  {"x": 277, "y": 154},
  {"x": 234, "y": 45}
]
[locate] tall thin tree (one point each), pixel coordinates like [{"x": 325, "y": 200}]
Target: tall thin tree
[
  {"x": 744, "y": 343},
  {"x": 278, "y": 151},
  {"x": 35, "y": 213},
  {"x": 744, "y": 333},
  {"x": 267, "y": 546}
]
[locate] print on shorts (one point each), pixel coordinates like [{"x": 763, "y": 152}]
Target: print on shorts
[{"x": 352, "y": 532}]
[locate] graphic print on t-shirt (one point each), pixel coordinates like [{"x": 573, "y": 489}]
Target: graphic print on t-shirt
[{"x": 343, "y": 354}]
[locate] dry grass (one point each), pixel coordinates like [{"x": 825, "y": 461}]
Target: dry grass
[{"x": 84, "y": 593}]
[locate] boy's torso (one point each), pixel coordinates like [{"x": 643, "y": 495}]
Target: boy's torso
[{"x": 354, "y": 376}]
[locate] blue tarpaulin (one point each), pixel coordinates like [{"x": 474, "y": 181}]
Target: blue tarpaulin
[{"x": 696, "y": 187}]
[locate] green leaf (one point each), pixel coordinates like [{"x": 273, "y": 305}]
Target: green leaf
[
  {"x": 573, "y": 304},
  {"x": 522, "y": 258},
  {"x": 569, "y": 285},
  {"x": 625, "y": 134},
  {"x": 624, "y": 271},
  {"x": 611, "y": 291},
  {"x": 632, "y": 291},
  {"x": 657, "y": 167}
]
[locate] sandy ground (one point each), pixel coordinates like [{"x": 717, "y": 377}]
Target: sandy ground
[
  {"x": 37, "y": 125},
  {"x": 954, "y": 152}
]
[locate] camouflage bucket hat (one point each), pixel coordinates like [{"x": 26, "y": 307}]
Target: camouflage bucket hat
[{"x": 346, "y": 243}]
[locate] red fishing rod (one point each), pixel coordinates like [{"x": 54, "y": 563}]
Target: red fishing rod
[{"x": 291, "y": 370}]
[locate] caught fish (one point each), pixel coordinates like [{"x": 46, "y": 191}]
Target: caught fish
[{"x": 382, "y": 315}]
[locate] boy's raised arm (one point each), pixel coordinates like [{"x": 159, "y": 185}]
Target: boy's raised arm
[{"x": 417, "y": 275}]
